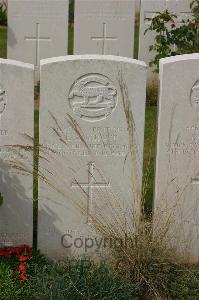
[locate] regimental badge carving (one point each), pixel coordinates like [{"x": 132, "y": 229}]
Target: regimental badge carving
[
  {"x": 93, "y": 97},
  {"x": 3, "y": 100},
  {"x": 194, "y": 98}
]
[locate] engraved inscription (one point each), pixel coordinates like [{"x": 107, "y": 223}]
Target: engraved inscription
[
  {"x": 37, "y": 39},
  {"x": 101, "y": 141},
  {"x": 183, "y": 148},
  {"x": 3, "y": 100},
  {"x": 194, "y": 98},
  {"x": 93, "y": 97},
  {"x": 88, "y": 187},
  {"x": 3, "y": 132},
  {"x": 104, "y": 39}
]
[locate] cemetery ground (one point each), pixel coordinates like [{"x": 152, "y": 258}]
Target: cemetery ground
[{"x": 146, "y": 272}]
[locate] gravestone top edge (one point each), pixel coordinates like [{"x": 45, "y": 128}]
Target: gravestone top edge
[
  {"x": 16, "y": 63},
  {"x": 172, "y": 59},
  {"x": 92, "y": 57},
  {"x": 176, "y": 59}
]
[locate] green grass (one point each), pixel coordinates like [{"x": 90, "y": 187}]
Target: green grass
[
  {"x": 73, "y": 280},
  {"x": 88, "y": 281},
  {"x": 3, "y": 42},
  {"x": 70, "y": 39},
  {"x": 149, "y": 155},
  {"x": 136, "y": 42}
]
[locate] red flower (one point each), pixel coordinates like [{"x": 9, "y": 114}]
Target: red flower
[
  {"x": 22, "y": 268},
  {"x": 23, "y": 277},
  {"x": 18, "y": 250},
  {"x": 10, "y": 251},
  {"x": 24, "y": 258},
  {"x": 23, "y": 253},
  {"x": 5, "y": 253}
]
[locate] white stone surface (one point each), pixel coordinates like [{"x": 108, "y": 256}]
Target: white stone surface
[
  {"x": 104, "y": 27},
  {"x": 177, "y": 169},
  {"x": 84, "y": 109},
  {"x": 149, "y": 8},
  {"x": 37, "y": 29},
  {"x": 16, "y": 119}
]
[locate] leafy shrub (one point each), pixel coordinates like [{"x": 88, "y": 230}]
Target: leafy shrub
[
  {"x": 68, "y": 280},
  {"x": 172, "y": 39},
  {"x": 3, "y": 14}
]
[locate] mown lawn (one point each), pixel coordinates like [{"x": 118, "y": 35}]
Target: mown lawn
[{"x": 3, "y": 42}]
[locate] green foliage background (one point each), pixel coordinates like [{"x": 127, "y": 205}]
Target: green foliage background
[{"x": 171, "y": 39}]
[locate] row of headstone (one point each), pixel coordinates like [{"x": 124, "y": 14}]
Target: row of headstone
[
  {"x": 91, "y": 153},
  {"x": 39, "y": 29}
]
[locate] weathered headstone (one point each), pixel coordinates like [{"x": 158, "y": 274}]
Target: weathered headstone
[
  {"x": 104, "y": 27},
  {"x": 37, "y": 29},
  {"x": 149, "y": 9},
  {"x": 91, "y": 153},
  {"x": 16, "y": 180},
  {"x": 177, "y": 168}
]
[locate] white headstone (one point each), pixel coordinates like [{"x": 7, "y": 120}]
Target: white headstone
[
  {"x": 37, "y": 29},
  {"x": 177, "y": 168},
  {"x": 85, "y": 117},
  {"x": 149, "y": 9},
  {"x": 104, "y": 27},
  {"x": 16, "y": 121}
]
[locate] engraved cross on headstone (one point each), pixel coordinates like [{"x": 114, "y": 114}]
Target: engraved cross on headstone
[
  {"x": 104, "y": 38},
  {"x": 37, "y": 39},
  {"x": 2, "y": 101},
  {"x": 88, "y": 188}
]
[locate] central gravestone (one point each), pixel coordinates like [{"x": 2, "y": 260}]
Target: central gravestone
[
  {"x": 91, "y": 135},
  {"x": 37, "y": 29},
  {"x": 100, "y": 27}
]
